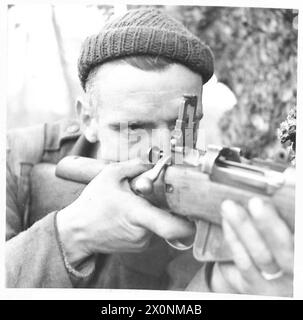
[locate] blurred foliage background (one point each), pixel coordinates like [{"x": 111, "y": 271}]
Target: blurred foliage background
[{"x": 255, "y": 52}]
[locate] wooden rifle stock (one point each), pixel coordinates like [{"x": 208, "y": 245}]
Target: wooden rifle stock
[{"x": 186, "y": 191}]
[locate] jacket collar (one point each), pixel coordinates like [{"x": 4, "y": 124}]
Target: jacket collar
[{"x": 59, "y": 132}]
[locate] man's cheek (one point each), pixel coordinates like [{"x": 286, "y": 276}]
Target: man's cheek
[
  {"x": 122, "y": 146},
  {"x": 112, "y": 146},
  {"x": 138, "y": 144}
]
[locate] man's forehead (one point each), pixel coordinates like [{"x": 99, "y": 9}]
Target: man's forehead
[
  {"x": 146, "y": 105},
  {"x": 118, "y": 75},
  {"x": 146, "y": 98},
  {"x": 154, "y": 94}
]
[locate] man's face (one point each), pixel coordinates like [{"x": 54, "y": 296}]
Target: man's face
[{"x": 137, "y": 109}]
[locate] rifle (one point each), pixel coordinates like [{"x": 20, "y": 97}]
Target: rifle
[{"x": 188, "y": 182}]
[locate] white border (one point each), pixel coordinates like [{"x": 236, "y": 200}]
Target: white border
[
  {"x": 99, "y": 294},
  {"x": 3, "y": 90},
  {"x": 298, "y": 270},
  {"x": 290, "y": 4}
]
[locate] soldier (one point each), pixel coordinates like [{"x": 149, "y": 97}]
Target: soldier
[{"x": 134, "y": 73}]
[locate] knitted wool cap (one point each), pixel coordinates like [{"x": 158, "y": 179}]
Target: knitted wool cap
[{"x": 145, "y": 32}]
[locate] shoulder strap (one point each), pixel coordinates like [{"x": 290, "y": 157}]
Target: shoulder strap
[
  {"x": 27, "y": 147},
  {"x": 24, "y": 150}
]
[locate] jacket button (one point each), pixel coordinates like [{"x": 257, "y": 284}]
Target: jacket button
[{"x": 73, "y": 128}]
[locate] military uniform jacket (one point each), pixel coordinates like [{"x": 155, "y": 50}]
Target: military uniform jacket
[{"x": 34, "y": 254}]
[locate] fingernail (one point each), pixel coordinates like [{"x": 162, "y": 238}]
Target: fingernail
[
  {"x": 256, "y": 207},
  {"x": 228, "y": 207}
]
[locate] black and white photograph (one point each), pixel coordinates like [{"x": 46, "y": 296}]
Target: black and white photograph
[{"x": 151, "y": 147}]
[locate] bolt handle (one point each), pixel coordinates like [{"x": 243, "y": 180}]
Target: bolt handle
[{"x": 144, "y": 184}]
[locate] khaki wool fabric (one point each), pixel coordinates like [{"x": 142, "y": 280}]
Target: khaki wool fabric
[{"x": 145, "y": 32}]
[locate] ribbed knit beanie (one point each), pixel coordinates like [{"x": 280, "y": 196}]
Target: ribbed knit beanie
[{"x": 145, "y": 32}]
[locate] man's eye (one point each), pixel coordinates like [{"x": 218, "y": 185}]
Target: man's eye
[
  {"x": 134, "y": 126},
  {"x": 172, "y": 125}
]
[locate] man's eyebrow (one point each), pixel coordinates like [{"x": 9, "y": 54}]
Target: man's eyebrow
[
  {"x": 145, "y": 124},
  {"x": 140, "y": 124}
]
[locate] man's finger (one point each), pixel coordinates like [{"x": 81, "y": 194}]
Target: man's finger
[
  {"x": 163, "y": 223},
  {"x": 233, "y": 277},
  {"x": 275, "y": 231},
  {"x": 221, "y": 282},
  {"x": 243, "y": 226},
  {"x": 127, "y": 169},
  {"x": 240, "y": 256}
]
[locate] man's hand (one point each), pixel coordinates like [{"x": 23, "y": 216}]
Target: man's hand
[
  {"x": 263, "y": 251},
  {"x": 108, "y": 217}
]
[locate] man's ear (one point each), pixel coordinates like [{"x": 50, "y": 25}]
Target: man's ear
[{"x": 87, "y": 120}]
